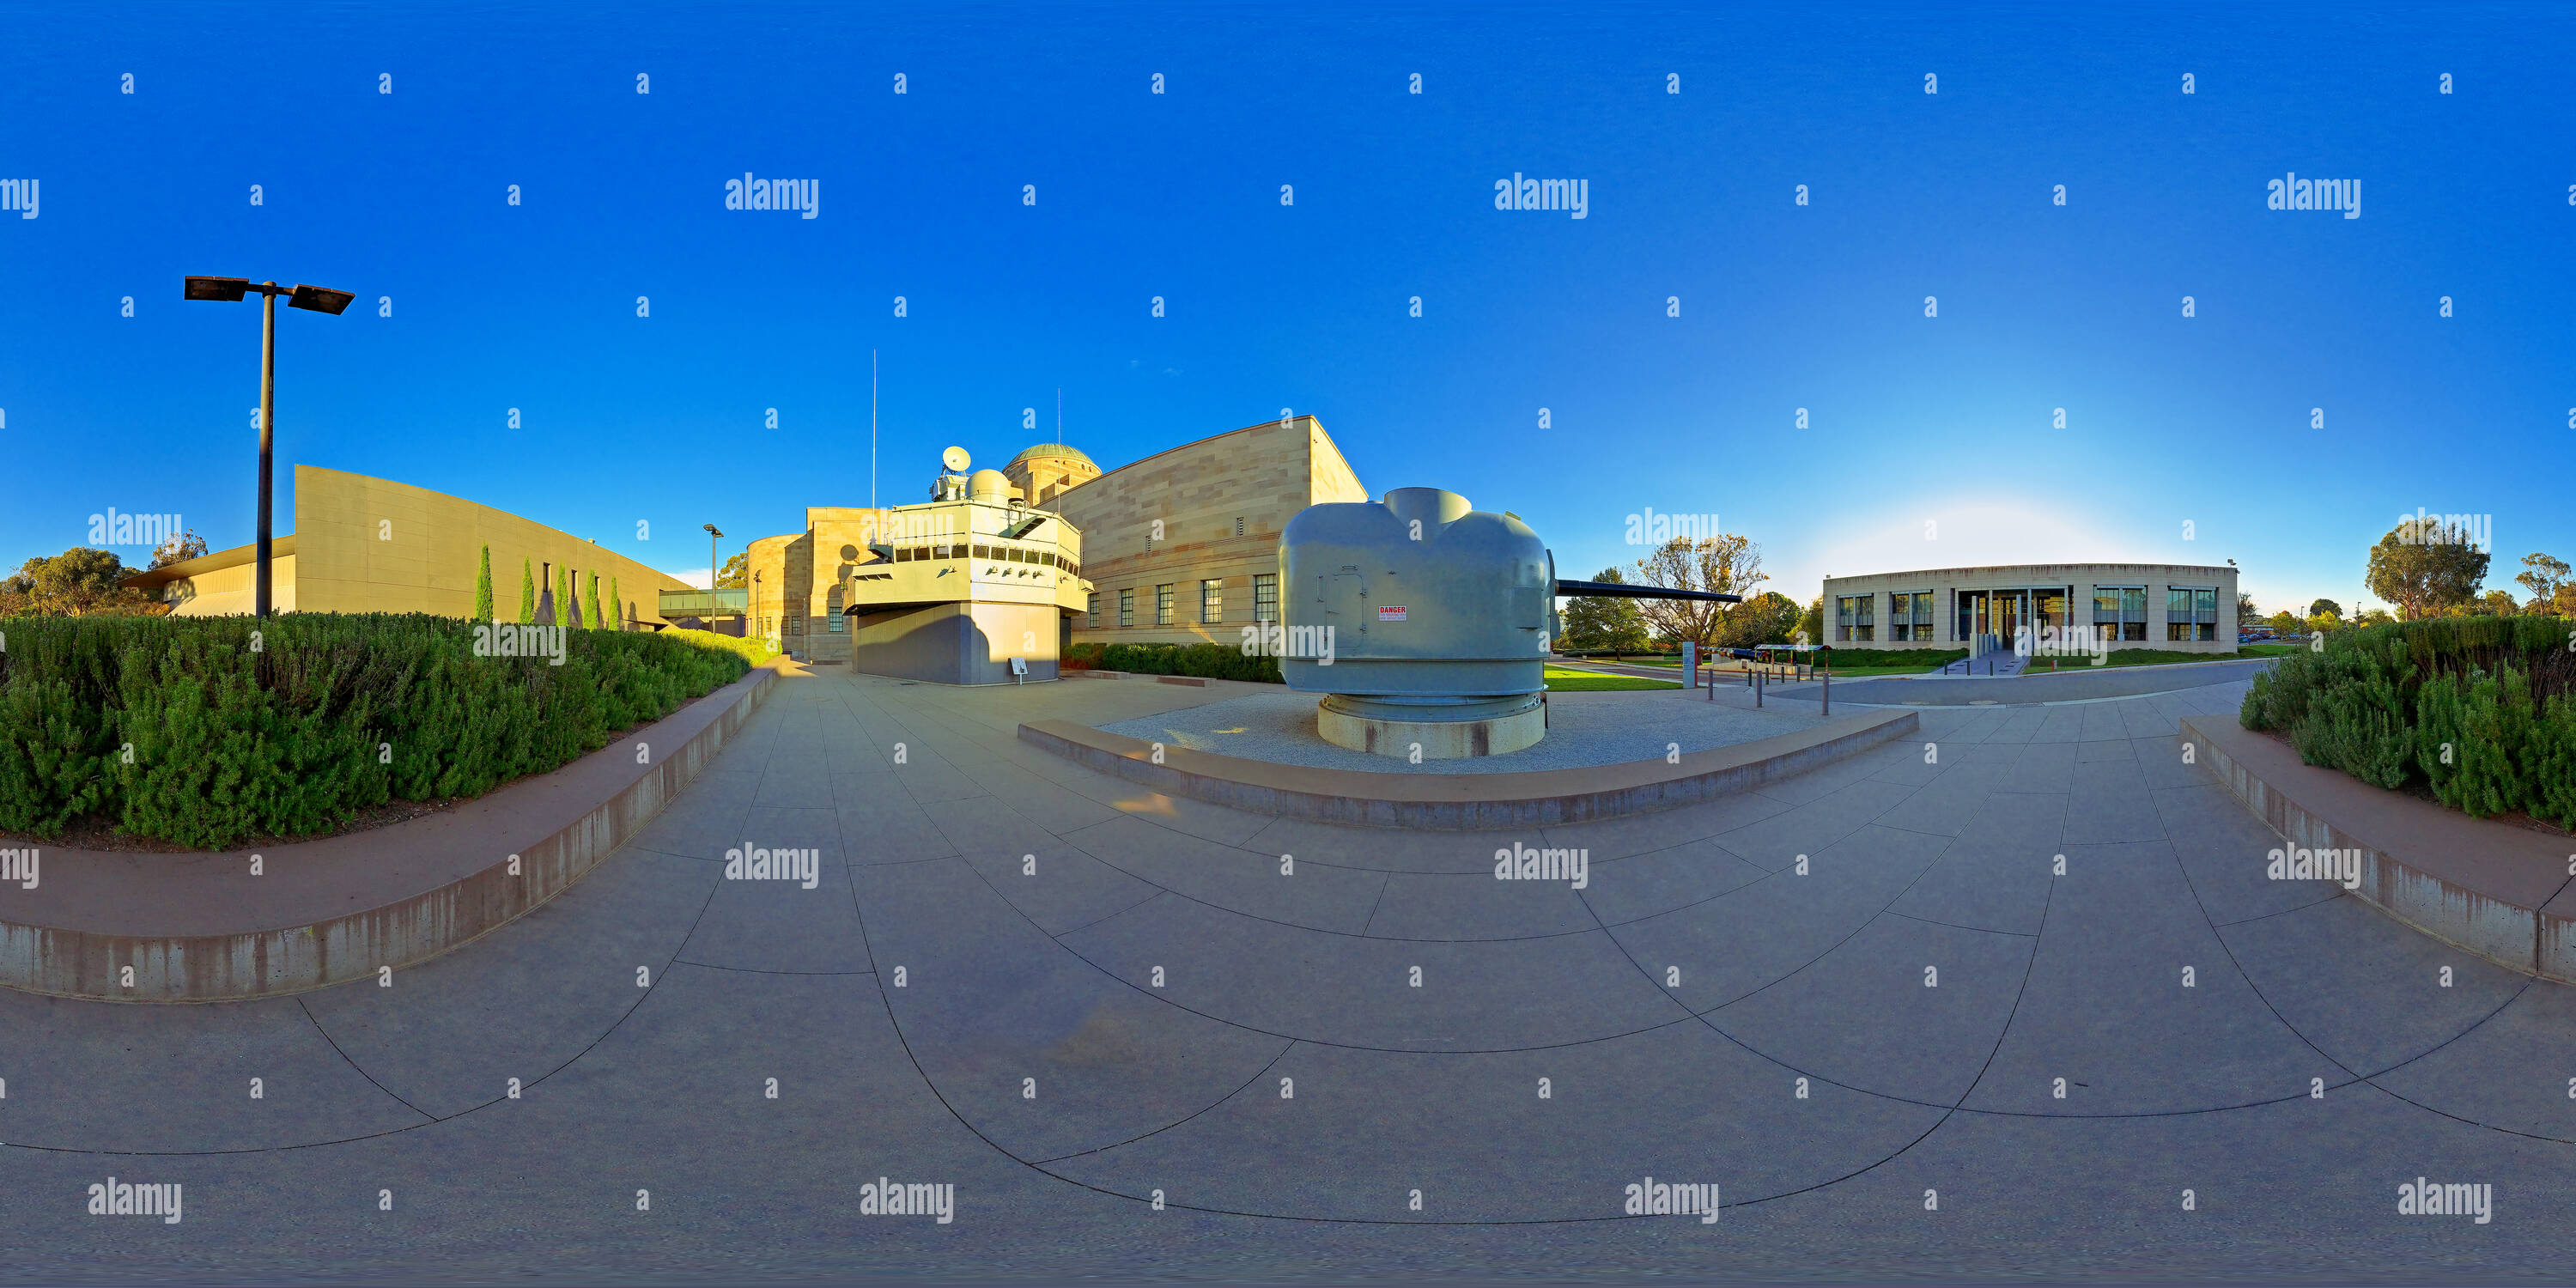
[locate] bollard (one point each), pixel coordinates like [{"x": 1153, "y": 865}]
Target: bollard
[
  {"x": 1829, "y": 693},
  {"x": 1757, "y": 692}
]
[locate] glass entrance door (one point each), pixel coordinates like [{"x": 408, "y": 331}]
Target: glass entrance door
[{"x": 2011, "y": 613}]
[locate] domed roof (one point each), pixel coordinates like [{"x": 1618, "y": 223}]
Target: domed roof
[{"x": 1053, "y": 449}]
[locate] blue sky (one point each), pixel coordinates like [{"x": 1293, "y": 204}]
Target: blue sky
[{"x": 1947, "y": 421}]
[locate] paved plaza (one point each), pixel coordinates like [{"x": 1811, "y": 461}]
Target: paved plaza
[{"x": 1143, "y": 1036}]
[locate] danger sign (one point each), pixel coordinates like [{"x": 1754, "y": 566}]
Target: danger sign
[{"x": 1390, "y": 612}]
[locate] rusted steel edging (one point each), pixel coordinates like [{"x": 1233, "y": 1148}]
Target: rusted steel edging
[
  {"x": 2483, "y": 887},
  {"x": 1465, "y": 801},
  {"x": 607, "y": 794}
]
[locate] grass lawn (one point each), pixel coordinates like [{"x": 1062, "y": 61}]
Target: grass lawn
[
  {"x": 1564, "y": 681},
  {"x": 1638, "y": 659},
  {"x": 2146, "y": 657},
  {"x": 1842, "y": 672},
  {"x": 2271, "y": 650}
]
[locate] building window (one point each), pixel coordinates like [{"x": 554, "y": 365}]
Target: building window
[
  {"x": 833, "y": 603},
  {"x": 1265, "y": 597},
  {"x": 1853, "y": 619},
  {"x": 2191, "y": 613},
  {"x": 1212, "y": 600},
  {"x": 1093, "y": 609},
  {"x": 1238, "y": 526},
  {"x": 1909, "y": 616},
  {"x": 1127, "y": 607},
  {"x": 2120, "y": 613},
  {"x": 1163, "y": 604}
]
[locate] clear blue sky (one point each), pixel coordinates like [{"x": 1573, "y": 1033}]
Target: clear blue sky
[{"x": 1915, "y": 420}]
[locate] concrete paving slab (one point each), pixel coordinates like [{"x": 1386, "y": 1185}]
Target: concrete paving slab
[{"x": 1396, "y": 1088}]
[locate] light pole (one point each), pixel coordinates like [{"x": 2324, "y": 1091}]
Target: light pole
[
  {"x": 316, "y": 298},
  {"x": 713, "y": 536}
]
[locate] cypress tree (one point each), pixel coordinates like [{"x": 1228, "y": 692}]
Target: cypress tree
[
  {"x": 483, "y": 588},
  {"x": 564, "y": 606},
  {"x": 616, "y": 606},
  {"x": 590, "y": 606},
  {"x": 527, "y": 592}
]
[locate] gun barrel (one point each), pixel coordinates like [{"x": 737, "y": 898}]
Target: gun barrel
[{"x": 1621, "y": 590}]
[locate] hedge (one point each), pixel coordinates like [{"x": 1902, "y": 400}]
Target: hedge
[
  {"x": 1213, "y": 661},
  {"x": 1879, "y": 658},
  {"x": 2479, "y": 710},
  {"x": 175, "y": 728}
]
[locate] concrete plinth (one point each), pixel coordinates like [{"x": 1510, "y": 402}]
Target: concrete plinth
[{"x": 1360, "y": 725}]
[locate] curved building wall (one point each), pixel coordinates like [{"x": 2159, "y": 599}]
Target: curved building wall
[
  {"x": 2129, "y": 605},
  {"x": 371, "y": 545},
  {"x": 1222, "y": 502}
]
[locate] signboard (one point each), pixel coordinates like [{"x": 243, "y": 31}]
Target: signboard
[{"x": 1390, "y": 612}]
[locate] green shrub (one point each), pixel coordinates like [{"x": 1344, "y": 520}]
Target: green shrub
[
  {"x": 2482, "y": 709},
  {"x": 1212, "y": 661},
  {"x": 483, "y": 588},
  {"x": 2553, "y": 764},
  {"x": 2496, "y": 734},
  {"x": 752, "y": 651},
  {"x": 329, "y": 715},
  {"x": 1921, "y": 659},
  {"x": 2441, "y": 724},
  {"x": 2358, "y": 723}
]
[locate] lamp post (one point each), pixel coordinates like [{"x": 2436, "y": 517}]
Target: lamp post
[
  {"x": 316, "y": 298},
  {"x": 714, "y": 565}
]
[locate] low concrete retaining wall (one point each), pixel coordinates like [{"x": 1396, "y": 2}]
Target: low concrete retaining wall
[
  {"x": 1465, "y": 801},
  {"x": 2499, "y": 891},
  {"x": 201, "y": 927}
]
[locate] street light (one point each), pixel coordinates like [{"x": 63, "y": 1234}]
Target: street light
[
  {"x": 713, "y": 536},
  {"x": 318, "y": 299}
]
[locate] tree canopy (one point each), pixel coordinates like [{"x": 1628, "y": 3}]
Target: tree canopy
[
  {"x": 2425, "y": 566},
  {"x": 1601, "y": 622},
  {"x": 78, "y": 582},
  {"x": 1727, "y": 563}
]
